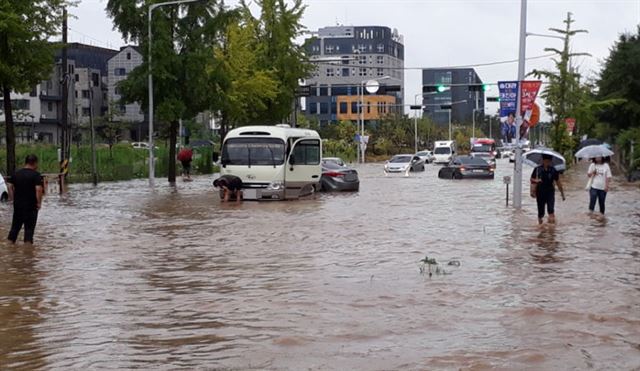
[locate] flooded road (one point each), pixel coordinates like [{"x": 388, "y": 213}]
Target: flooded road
[{"x": 125, "y": 278}]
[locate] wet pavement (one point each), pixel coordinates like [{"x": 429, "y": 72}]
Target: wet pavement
[{"x": 125, "y": 278}]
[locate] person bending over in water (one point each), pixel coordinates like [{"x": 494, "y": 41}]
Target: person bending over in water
[{"x": 230, "y": 185}]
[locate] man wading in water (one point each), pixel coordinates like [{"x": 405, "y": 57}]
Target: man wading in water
[
  {"x": 26, "y": 188},
  {"x": 544, "y": 180}
]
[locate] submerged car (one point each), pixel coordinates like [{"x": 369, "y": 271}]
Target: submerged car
[
  {"x": 336, "y": 160},
  {"x": 336, "y": 177},
  {"x": 487, "y": 156},
  {"x": 462, "y": 167},
  {"x": 427, "y": 156},
  {"x": 4, "y": 191},
  {"x": 403, "y": 163}
]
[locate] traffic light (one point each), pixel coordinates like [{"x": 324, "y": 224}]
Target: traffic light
[
  {"x": 493, "y": 99},
  {"x": 479, "y": 87},
  {"x": 486, "y": 87},
  {"x": 434, "y": 88}
]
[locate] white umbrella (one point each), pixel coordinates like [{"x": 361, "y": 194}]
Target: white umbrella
[
  {"x": 594, "y": 151},
  {"x": 534, "y": 158}
]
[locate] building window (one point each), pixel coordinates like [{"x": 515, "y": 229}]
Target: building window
[
  {"x": 328, "y": 49},
  {"x": 76, "y": 93},
  {"x": 85, "y": 94},
  {"x": 380, "y": 59},
  {"x": 345, "y": 72},
  {"x": 20, "y": 104},
  {"x": 50, "y": 106},
  {"x": 95, "y": 79},
  {"x": 313, "y": 108},
  {"x": 362, "y": 48},
  {"x": 34, "y": 92},
  {"x": 324, "y": 108},
  {"x": 117, "y": 91},
  {"x": 122, "y": 108},
  {"x": 49, "y": 86},
  {"x": 330, "y": 72},
  {"x": 343, "y": 107},
  {"x": 77, "y": 77},
  {"x": 354, "y": 107},
  {"x": 380, "y": 48},
  {"x": 86, "y": 111},
  {"x": 362, "y": 72},
  {"x": 128, "y": 56},
  {"x": 380, "y": 72},
  {"x": 362, "y": 59},
  {"x": 120, "y": 72}
]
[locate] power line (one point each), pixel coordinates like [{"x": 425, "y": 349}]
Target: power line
[{"x": 445, "y": 67}]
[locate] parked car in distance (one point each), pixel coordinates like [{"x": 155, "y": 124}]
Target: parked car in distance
[
  {"x": 402, "y": 163},
  {"x": 140, "y": 145},
  {"x": 4, "y": 191},
  {"x": 336, "y": 160},
  {"x": 485, "y": 156},
  {"x": 426, "y": 155},
  {"x": 462, "y": 167},
  {"x": 336, "y": 177}
]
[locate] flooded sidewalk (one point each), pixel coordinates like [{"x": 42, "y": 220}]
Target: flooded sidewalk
[{"x": 123, "y": 277}]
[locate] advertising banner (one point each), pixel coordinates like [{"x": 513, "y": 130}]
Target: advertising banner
[
  {"x": 529, "y": 93},
  {"x": 508, "y": 91}
]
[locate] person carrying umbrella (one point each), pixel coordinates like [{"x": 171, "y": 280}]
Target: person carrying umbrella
[
  {"x": 185, "y": 156},
  {"x": 544, "y": 179},
  {"x": 599, "y": 174}
]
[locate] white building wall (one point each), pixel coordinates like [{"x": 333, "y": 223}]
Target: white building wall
[{"x": 119, "y": 68}]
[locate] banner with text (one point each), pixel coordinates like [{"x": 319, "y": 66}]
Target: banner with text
[
  {"x": 529, "y": 93},
  {"x": 508, "y": 91}
]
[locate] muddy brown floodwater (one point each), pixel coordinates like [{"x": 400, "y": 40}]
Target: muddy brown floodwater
[{"x": 126, "y": 278}]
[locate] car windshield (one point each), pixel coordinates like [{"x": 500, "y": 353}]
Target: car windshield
[
  {"x": 330, "y": 165},
  {"x": 253, "y": 151},
  {"x": 333, "y": 160},
  {"x": 442, "y": 151},
  {"x": 472, "y": 161},
  {"x": 482, "y": 154},
  {"x": 401, "y": 159},
  {"x": 422, "y": 154},
  {"x": 481, "y": 148}
]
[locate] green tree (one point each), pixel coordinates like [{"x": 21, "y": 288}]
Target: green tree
[
  {"x": 26, "y": 53},
  {"x": 620, "y": 79},
  {"x": 246, "y": 87},
  {"x": 562, "y": 94},
  {"x": 183, "y": 36},
  {"x": 277, "y": 28}
]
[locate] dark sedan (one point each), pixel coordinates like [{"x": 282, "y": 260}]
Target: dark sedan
[
  {"x": 337, "y": 178},
  {"x": 462, "y": 167}
]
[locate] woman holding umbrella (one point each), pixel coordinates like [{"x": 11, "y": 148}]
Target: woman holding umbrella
[{"x": 599, "y": 174}]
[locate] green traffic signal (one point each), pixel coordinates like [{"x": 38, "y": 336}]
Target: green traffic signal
[
  {"x": 441, "y": 88},
  {"x": 486, "y": 87}
]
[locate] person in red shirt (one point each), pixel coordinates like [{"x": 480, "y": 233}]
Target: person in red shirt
[{"x": 185, "y": 156}]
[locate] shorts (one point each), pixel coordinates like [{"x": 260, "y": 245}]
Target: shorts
[
  {"x": 186, "y": 166},
  {"x": 547, "y": 199}
]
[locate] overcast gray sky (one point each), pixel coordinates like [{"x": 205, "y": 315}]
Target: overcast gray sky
[{"x": 443, "y": 32}]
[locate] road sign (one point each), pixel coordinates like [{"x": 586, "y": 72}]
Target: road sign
[
  {"x": 506, "y": 179},
  {"x": 303, "y": 91},
  {"x": 415, "y": 107}
]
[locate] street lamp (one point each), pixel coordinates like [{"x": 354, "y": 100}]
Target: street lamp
[
  {"x": 150, "y": 13},
  {"x": 362, "y": 83}
]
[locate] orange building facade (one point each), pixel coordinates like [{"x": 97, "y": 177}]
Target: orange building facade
[{"x": 375, "y": 107}]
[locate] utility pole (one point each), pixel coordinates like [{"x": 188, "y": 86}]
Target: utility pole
[
  {"x": 64, "y": 109},
  {"x": 517, "y": 171},
  {"x": 94, "y": 165}
]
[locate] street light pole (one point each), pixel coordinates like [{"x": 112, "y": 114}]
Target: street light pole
[
  {"x": 450, "y": 131},
  {"x": 517, "y": 171},
  {"x": 362, "y": 83},
  {"x": 152, "y": 168}
]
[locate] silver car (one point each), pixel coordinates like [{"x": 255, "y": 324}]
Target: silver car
[
  {"x": 427, "y": 156},
  {"x": 404, "y": 163}
]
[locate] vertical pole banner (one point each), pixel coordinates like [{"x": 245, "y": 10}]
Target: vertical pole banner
[
  {"x": 527, "y": 101},
  {"x": 508, "y": 91}
]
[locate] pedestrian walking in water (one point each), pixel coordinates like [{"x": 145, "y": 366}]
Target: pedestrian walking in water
[
  {"x": 230, "y": 185},
  {"x": 544, "y": 180},
  {"x": 26, "y": 187},
  {"x": 185, "y": 156},
  {"x": 599, "y": 174}
]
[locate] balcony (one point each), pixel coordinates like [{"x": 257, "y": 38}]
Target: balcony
[{"x": 50, "y": 98}]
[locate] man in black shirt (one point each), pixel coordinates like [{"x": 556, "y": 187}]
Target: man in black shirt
[
  {"x": 26, "y": 188},
  {"x": 231, "y": 185},
  {"x": 546, "y": 178}
]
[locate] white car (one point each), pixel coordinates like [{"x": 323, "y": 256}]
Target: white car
[
  {"x": 4, "y": 191},
  {"x": 427, "y": 156},
  {"x": 404, "y": 163},
  {"x": 335, "y": 160}
]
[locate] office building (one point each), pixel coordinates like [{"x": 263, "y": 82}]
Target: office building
[
  {"x": 347, "y": 56},
  {"x": 463, "y": 99},
  {"x": 120, "y": 65}
]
